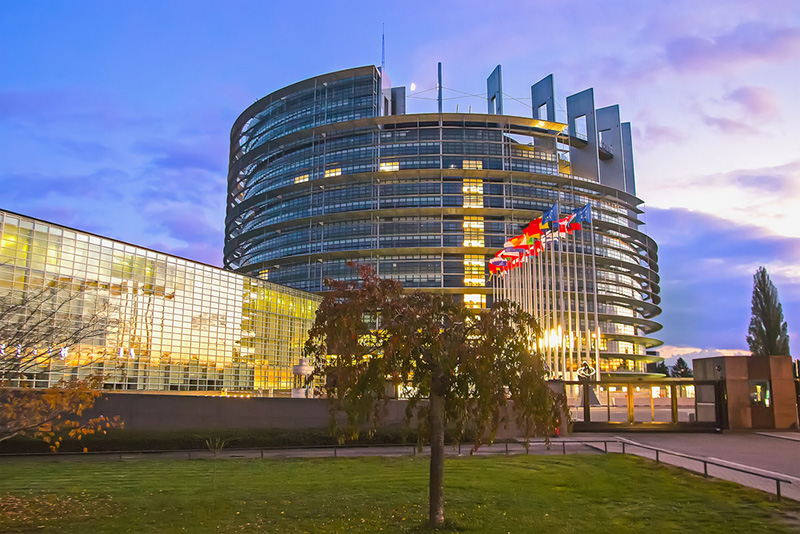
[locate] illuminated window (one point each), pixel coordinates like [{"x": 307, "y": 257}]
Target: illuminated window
[
  {"x": 472, "y": 164},
  {"x": 473, "y": 232},
  {"x": 474, "y": 301},
  {"x": 333, "y": 172},
  {"x": 301, "y": 179},
  {"x": 474, "y": 269},
  {"x": 473, "y": 192},
  {"x": 390, "y": 166}
]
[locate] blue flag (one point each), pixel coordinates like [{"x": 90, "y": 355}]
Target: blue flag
[
  {"x": 584, "y": 214},
  {"x": 550, "y": 216}
]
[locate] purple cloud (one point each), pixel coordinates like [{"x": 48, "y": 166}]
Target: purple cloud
[
  {"x": 749, "y": 42},
  {"x": 758, "y": 101},
  {"x": 706, "y": 267},
  {"x": 782, "y": 180},
  {"x": 729, "y": 126}
]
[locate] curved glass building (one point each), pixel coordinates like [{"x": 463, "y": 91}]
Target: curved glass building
[{"x": 332, "y": 169}]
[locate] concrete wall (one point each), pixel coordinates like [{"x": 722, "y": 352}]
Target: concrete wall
[
  {"x": 163, "y": 412},
  {"x": 736, "y": 371}
]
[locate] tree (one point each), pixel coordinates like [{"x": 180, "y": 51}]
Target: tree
[
  {"x": 455, "y": 366},
  {"x": 659, "y": 367},
  {"x": 53, "y": 413},
  {"x": 768, "y": 333},
  {"x": 37, "y": 326},
  {"x": 681, "y": 369}
]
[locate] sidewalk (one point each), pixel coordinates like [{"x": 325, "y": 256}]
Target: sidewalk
[{"x": 774, "y": 453}]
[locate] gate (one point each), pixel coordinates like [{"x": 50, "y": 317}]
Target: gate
[{"x": 667, "y": 404}]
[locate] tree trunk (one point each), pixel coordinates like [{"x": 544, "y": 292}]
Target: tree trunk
[{"x": 436, "y": 430}]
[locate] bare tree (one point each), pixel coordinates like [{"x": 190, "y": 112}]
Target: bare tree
[
  {"x": 38, "y": 325},
  {"x": 41, "y": 324}
]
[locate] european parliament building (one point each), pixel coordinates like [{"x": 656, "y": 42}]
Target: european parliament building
[{"x": 332, "y": 169}]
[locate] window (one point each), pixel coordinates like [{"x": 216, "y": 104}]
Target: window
[
  {"x": 759, "y": 393},
  {"x": 473, "y": 192},
  {"x": 388, "y": 166},
  {"x": 301, "y": 179},
  {"x": 333, "y": 172},
  {"x": 472, "y": 164},
  {"x": 474, "y": 271},
  {"x": 474, "y": 301},
  {"x": 473, "y": 232}
]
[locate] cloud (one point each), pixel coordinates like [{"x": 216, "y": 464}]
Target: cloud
[
  {"x": 781, "y": 180},
  {"x": 653, "y": 134},
  {"x": 185, "y": 155},
  {"x": 91, "y": 186},
  {"x": 706, "y": 267},
  {"x": 729, "y": 126},
  {"x": 758, "y": 101},
  {"x": 671, "y": 353},
  {"x": 747, "y": 43},
  {"x": 210, "y": 254}
]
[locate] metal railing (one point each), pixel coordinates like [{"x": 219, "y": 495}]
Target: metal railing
[{"x": 706, "y": 462}]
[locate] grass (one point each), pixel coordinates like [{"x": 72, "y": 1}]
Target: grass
[{"x": 522, "y": 494}]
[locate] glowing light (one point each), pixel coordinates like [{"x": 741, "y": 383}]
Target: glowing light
[{"x": 413, "y": 86}]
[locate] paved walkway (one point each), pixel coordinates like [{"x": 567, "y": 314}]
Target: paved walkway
[{"x": 772, "y": 453}]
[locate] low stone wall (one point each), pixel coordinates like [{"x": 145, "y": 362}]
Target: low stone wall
[{"x": 165, "y": 412}]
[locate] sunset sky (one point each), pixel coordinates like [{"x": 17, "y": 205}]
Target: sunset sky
[{"x": 115, "y": 116}]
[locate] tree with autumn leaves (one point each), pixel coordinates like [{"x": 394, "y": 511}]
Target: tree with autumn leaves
[
  {"x": 457, "y": 367},
  {"x": 37, "y": 326}
]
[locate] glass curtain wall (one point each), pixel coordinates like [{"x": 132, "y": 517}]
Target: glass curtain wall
[{"x": 170, "y": 324}]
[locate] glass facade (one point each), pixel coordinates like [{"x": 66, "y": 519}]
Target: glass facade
[
  {"x": 174, "y": 324},
  {"x": 426, "y": 199}
]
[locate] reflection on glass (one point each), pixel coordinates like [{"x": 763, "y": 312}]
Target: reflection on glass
[
  {"x": 759, "y": 393},
  {"x": 174, "y": 325}
]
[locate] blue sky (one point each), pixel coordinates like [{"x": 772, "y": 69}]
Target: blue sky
[{"x": 115, "y": 116}]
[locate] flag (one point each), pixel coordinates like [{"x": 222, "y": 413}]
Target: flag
[
  {"x": 534, "y": 228},
  {"x": 512, "y": 252},
  {"x": 567, "y": 225},
  {"x": 550, "y": 216},
  {"x": 515, "y": 241},
  {"x": 549, "y": 238},
  {"x": 584, "y": 214}
]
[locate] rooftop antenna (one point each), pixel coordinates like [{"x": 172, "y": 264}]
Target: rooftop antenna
[
  {"x": 439, "y": 86},
  {"x": 383, "y": 49}
]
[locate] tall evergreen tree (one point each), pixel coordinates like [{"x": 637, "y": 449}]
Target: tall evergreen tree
[
  {"x": 681, "y": 369},
  {"x": 767, "y": 334}
]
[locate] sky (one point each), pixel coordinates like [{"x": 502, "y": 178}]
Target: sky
[{"x": 115, "y": 117}]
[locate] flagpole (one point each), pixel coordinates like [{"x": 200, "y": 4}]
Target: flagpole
[
  {"x": 561, "y": 336},
  {"x": 594, "y": 294},
  {"x": 554, "y": 301},
  {"x": 577, "y": 307},
  {"x": 569, "y": 308}
]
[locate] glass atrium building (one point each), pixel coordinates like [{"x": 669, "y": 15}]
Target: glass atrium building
[
  {"x": 170, "y": 324},
  {"x": 332, "y": 169}
]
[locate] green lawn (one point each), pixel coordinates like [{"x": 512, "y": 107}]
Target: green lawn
[{"x": 517, "y": 494}]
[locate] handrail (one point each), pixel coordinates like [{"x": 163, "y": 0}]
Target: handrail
[{"x": 706, "y": 463}]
